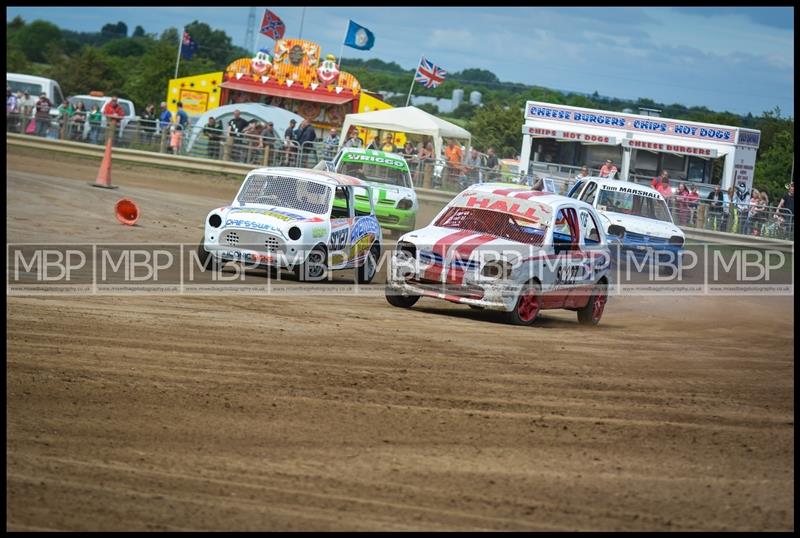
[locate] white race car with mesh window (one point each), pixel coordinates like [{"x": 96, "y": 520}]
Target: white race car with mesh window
[
  {"x": 511, "y": 249},
  {"x": 304, "y": 220}
]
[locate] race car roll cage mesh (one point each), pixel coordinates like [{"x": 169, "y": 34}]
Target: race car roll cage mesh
[
  {"x": 286, "y": 191},
  {"x": 490, "y": 222}
]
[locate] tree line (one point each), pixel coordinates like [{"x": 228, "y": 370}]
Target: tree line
[{"x": 138, "y": 67}]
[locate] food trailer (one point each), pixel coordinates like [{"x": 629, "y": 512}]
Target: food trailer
[{"x": 640, "y": 146}]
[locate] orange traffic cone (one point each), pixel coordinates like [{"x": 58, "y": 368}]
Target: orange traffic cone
[
  {"x": 127, "y": 212},
  {"x": 104, "y": 175}
]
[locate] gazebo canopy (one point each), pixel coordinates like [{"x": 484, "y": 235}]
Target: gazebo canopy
[{"x": 409, "y": 119}]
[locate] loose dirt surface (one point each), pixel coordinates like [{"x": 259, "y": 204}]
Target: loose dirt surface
[{"x": 343, "y": 413}]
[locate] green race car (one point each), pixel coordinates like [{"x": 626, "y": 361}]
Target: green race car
[{"x": 396, "y": 202}]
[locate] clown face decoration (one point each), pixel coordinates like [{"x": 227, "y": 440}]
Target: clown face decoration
[
  {"x": 328, "y": 72},
  {"x": 261, "y": 63}
]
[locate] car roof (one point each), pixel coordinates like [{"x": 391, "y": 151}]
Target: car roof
[
  {"x": 373, "y": 152},
  {"x": 514, "y": 192},
  {"x": 618, "y": 182},
  {"x": 318, "y": 176}
]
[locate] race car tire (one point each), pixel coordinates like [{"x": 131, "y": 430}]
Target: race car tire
[
  {"x": 400, "y": 301},
  {"x": 315, "y": 268},
  {"x": 366, "y": 272},
  {"x": 207, "y": 261},
  {"x": 528, "y": 305},
  {"x": 593, "y": 311}
]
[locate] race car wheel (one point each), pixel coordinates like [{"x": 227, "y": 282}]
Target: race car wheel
[
  {"x": 367, "y": 271},
  {"x": 207, "y": 261},
  {"x": 400, "y": 301},
  {"x": 529, "y": 303},
  {"x": 315, "y": 267},
  {"x": 593, "y": 311}
]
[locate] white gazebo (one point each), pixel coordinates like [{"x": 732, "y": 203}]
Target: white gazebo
[{"x": 409, "y": 119}]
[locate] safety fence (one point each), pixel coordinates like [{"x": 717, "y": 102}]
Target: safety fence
[{"x": 261, "y": 149}]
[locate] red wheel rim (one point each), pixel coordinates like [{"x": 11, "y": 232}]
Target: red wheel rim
[
  {"x": 599, "y": 305},
  {"x": 528, "y": 306}
]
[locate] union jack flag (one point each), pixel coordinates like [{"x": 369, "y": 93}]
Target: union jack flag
[
  {"x": 428, "y": 74},
  {"x": 272, "y": 26}
]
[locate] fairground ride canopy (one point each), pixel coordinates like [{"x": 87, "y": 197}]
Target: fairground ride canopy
[{"x": 297, "y": 79}]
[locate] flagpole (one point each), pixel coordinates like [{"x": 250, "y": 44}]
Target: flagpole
[
  {"x": 302, "y": 18},
  {"x": 341, "y": 49},
  {"x": 180, "y": 45},
  {"x": 413, "y": 79}
]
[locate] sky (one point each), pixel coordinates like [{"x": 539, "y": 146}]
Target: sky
[{"x": 735, "y": 59}]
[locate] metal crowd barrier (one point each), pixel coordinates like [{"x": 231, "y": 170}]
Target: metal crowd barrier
[{"x": 435, "y": 174}]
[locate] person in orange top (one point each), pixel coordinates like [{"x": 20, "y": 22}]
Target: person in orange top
[
  {"x": 454, "y": 156},
  {"x": 114, "y": 112}
]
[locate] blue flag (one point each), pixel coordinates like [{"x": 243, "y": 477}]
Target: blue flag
[
  {"x": 359, "y": 37},
  {"x": 188, "y": 46}
]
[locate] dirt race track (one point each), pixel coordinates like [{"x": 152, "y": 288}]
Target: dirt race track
[{"x": 343, "y": 413}]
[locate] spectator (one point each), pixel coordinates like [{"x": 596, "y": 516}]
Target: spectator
[
  {"x": 665, "y": 189},
  {"x": 164, "y": 118},
  {"x": 236, "y": 126},
  {"x": 148, "y": 123},
  {"x": 682, "y": 204},
  {"x": 269, "y": 139},
  {"x": 252, "y": 134},
  {"x": 213, "y": 131},
  {"x": 388, "y": 144},
  {"x": 352, "y": 141},
  {"x": 26, "y": 106},
  {"x": 787, "y": 201},
  {"x": 290, "y": 141},
  {"x": 608, "y": 170},
  {"x": 65, "y": 112},
  {"x": 409, "y": 151},
  {"x": 306, "y": 136},
  {"x": 78, "y": 121},
  {"x": 741, "y": 206},
  {"x": 715, "y": 201},
  {"x": 95, "y": 123},
  {"x": 12, "y": 110},
  {"x": 473, "y": 162},
  {"x": 43, "y": 106},
  {"x": 114, "y": 114},
  {"x": 176, "y": 138},
  {"x": 454, "y": 156},
  {"x": 374, "y": 144},
  {"x": 757, "y": 212},
  {"x": 492, "y": 164},
  {"x": 657, "y": 180},
  {"x": 747, "y": 227},
  {"x": 693, "y": 200},
  {"x": 331, "y": 144},
  {"x": 181, "y": 117},
  {"x": 582, "y": 174}
]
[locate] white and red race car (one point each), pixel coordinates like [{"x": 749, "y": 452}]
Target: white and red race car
[{"x": 509, "y": 249}]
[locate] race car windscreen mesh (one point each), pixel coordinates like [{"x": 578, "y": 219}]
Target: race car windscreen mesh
[
  {"x": 288, "y": 192},
  {"x": 496, "y": 223}
]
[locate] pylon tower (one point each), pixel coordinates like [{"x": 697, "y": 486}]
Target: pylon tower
[{"x": 250, "y": 36}]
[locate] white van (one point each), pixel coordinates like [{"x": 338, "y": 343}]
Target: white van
[
  {"x": 100, "y": 100},
  {"x": 35, "y": 86}
]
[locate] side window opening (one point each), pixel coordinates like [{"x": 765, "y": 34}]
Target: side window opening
[
  {"x": 363, "y": 206},
  {"x": 591, "y": 235},
  {"x": 588, "y": 194},
  {"x": 341, "y": 204},
  {"x": 565, "y": 230}
]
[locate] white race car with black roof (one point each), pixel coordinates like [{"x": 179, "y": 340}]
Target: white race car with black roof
[
  {"x": 299, "y": 219},
  {"x": 510, "y": 249},
  {"x": 637, "y": 214}
]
